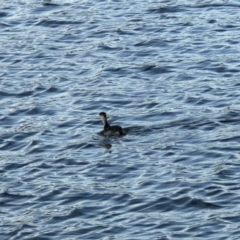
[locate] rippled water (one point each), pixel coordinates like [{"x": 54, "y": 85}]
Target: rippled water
[{"x": 168, "y": 71}]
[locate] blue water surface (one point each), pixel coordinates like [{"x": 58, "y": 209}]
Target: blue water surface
[{"x": 167, "y": 71}]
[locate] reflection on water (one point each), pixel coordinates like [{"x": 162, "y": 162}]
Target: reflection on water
[{"x": 168, "y": 72}]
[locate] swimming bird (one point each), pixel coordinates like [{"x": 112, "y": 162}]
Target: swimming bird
[{"x": 110, "y": 130}]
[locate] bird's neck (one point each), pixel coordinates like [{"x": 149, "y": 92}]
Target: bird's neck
[{"x": 106, "y": 124}]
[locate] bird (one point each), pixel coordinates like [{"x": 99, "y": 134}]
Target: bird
[{"x": 110, "y": 130}]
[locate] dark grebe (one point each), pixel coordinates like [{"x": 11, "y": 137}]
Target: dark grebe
[{"x": 110, "y": 130}]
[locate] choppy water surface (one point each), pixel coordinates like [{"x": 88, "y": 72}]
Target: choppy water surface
[{"x": 166, "y": 70}]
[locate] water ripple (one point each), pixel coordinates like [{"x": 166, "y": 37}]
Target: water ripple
[{"x": 167, "y": 72}]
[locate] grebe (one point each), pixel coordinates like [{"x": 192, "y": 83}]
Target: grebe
[{"x": 110, "y": 130}]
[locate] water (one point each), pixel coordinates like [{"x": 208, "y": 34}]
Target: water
[{"x": 168, "y": 71}]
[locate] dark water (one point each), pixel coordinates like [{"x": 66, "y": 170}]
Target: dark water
[{"x": 168, "y": 71}]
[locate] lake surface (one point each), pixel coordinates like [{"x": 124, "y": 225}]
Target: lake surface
[{"x": 168, "y": 72}]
